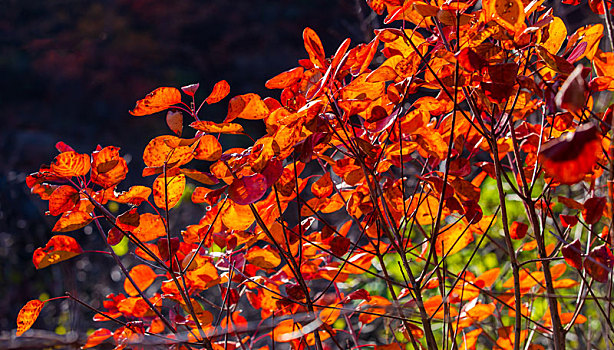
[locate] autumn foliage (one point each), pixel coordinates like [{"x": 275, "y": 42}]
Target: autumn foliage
[{"x": 446, "y": 185}]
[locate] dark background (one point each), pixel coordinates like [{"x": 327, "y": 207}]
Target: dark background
[{"x": 70, "y": 71}]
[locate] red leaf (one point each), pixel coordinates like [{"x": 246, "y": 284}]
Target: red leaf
[
  {"x": 570, "y": 157},
  {"x": 114, "y": 236},
  {"x": 518, "y": 230},
  {"x": 572, "y": 253},
  {"x": 27, "y": 315},
  {"x": 568, "y": 220},
  {"x": 190, "y": 89},
  {"x": 360, "y": 294},
  {"x": 156, "y": 101},
  {"x": 339, "y": 245},
  {"x": 573, "y": 94},
  {"x": 599, "y": 263},
  {"x": 220, "y": 90},
  {"x": 247, "y": 189},
  {"x": 163, "y": 247},
  {"x": 63, "y": 147},
  {"x": 593, "y": 209},
  {"x": 469, "y": 60},
  {"x": 59, "y": 248},
  {"x": 323, "y": 187}
]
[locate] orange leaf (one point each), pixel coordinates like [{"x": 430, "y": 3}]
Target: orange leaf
[
  {"x": 167, "y": 190},
  {"x": 265, "y": 258},
  {"x": 222, "y": 128},
  {"x": 97, "y": 337},
  {"x": 151, "y": 226},
  {"x": 285, "y": 79},
  {"x": 72, "y": 220},
  {"x": 452, "y": 239},
  {"x": 63, "y": 199},
  {"x": 156, "y": 101},
  {"x": 236, "y": 217},
  {"x": 143, "y": 276},
  {"x": 167, "y": 149},
  {"x": 314, "y": 48},
  {"x": 135, "y": 195},
  {"x": 128, "y": 220},
  {"x": 220, "y": 90},
  {"x": 470, "y": 339},
  {"x": 69, "y": 164},
  {"x": 200, "y": 176},
  {"x": 59, "y": 248},
  {"x": 248, "y": 106},
  {"x": 507, "y": 13},
  {"x": 208, "y": 148},
  {"x": 570, "y": 157},
  {"x": 108, "y": 168},
  {"x": 287, "y": 330},
  {"x": 27, "y": 315},
  {"x": 323, "y": 187},
  {"x": 376, "y": 306}
]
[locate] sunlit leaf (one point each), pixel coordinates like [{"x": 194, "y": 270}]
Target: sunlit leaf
[
  {"x": 222, "y": 128},
  {"x": 265, "y": 258},
  {"x": 572, "y": 253},
  {"x": 69, "y": 164},
  {"x": 236, "y": 217},
  {"x": 248, "y": 106},
  {"x": 285, "y": 79},
  {"x": 151, "y": 226},
  {"x": 167, "y": 190},
  {"x": 208, "y": 148},
  {"x": 63, "y": 198},
  {"x": 159, "y": 152},
  {"x": 314, "y": 48},
  {"x": 72, "y": 220},
  {"x": 593, "y": 209},
  {"x": 570, "y": 157},
  {"x": 143, "y": 276},
  {"x": 452, "y": 239},
  {"x": 108, "y": 168},
  {"x": 156, "y": 101},
  {"x": 59, "y": 248},
  {"x": 518, "y": 230},
  {"x": 247, "y": 189},
  {"x": 27, "y": 315},
  {"x": 220, "y": 90},
  {"x": 97, "y": 337}
]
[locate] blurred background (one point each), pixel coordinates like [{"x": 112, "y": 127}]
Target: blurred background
[{"x": 70, "y": 71}]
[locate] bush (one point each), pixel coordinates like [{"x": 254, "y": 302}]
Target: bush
[{"x": 445, "y": 185}]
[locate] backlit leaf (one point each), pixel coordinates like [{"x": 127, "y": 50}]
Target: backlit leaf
[
  {"x": 69, "y": 164},
  {"x": 247, "y": 189},
  {"x": 570, "y": 157},
  {"x": 518, "y": 230},
  {"x": 156, "y": 101},
  {"x": 314, "y": 48},
  {"x": 208, "y": 148},
  {"x": 507, "y": 13},
  {"x": 108, "y": 168},
  {"x": 222, "y": 128},
  {"x": 72, "y": 220},
  {"x": 63, "y": 198},
  {"x": 285, "y": 79},
  {"x": 248, "y": 106},
  {"x": 27, "y": 315},
  {"x": 167, "y": 190},
  {"x": 572, "y": 253},
  {"x": 593, "y": 209},
  {"x": 143, "y": 276},
  {"x": 59, "y": 248},
  {"x": 452, "y": 239},
  {"x": 236, "y": 216},
  {"x": 159, "y": 152},
  {"x": 97, "y": 337},
  {"x": 220, "y": 90},
  {"x": 135, "y": 195},
  {"x": 598, "y": 263},
  {"x": 265, "y": 258}
]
